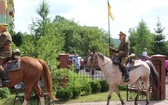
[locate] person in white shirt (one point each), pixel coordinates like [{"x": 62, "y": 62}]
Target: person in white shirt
[
  {"x": 145, "y": 52},
  {"x": 144, "y": 55}
]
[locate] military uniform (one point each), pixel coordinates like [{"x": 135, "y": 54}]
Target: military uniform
[
  {"x": 5, "y": 45},
  {"x": 5, "y": 51},
  {"x": 123, "y": 52}
]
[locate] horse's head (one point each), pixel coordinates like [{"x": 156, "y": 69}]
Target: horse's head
[{"x": 91, "y": 61}]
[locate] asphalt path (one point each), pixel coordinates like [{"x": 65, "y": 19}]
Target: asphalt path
[{"x": 119, "y": 103}]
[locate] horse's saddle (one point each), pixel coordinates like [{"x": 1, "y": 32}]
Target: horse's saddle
[
  {"x": 13, "y": 63},
  {"x": 131, "y": 59}
]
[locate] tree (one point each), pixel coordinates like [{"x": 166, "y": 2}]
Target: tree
[
  {"x": 38, "y": 26},
  {"x": 50, "y": 46},
  {"x": 79, "y": 39},
  {"x": 159, "y": 44},
  {"x": 131, "y": 39},
  {"x": 17, "y": 39},
  {"x": 140, "y": 38}
]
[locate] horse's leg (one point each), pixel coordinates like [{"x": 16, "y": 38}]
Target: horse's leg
[
  {"x": 119, "y": 95},
  {"x": 111, "y": 89},
  {"x": 39, "y": 92},
  {"x": 24, "y": 102},
  {"x": 146, "y": 85},
  {"x": 139, "y": 89},
  {"x": 28, "y": 88}
]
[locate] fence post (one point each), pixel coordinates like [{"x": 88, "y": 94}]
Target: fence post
[
  {"x": 159, "y": 63},
  {"x": 63, "y": 59}
]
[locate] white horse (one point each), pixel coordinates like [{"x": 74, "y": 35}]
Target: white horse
[{"x": 114, "y": 76}]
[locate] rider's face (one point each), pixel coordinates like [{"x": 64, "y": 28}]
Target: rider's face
[{"x": 122, "y": 37}]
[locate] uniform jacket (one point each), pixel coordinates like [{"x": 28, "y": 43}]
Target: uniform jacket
[
  {"x": 5, "y": 44},
  {"x": 122, "y": 50}
]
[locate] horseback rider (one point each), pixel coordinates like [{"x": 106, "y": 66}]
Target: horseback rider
[
  {"x": 122, "y": 52},
  {"x": 5, "y": 50}
]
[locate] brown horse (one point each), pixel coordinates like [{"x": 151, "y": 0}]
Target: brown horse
[{"x": 31, "y": 69}]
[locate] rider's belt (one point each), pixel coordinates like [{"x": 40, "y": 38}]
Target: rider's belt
[{"x": 121, "y": 51}]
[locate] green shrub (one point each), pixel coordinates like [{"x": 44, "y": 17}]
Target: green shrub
[
  {"x": 86, "y": 89},
  {"x": 59, "y": 75},
  {"x": 78, "y": 80},
  {"x": 95, "y": 86},
  {"x": 74, "y": 79},
  {"x": 122, "y": 87},
  {"x": 75, "y": 91},
  {"x": 64, "y": 94},
  {"x": 104, "y": 85},
  {"x": 4, "y": 92}
]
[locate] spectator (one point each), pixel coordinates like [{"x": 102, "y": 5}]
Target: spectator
[
  {"x": 144, "y": 55},
  {"x": 76, "y": 61}
]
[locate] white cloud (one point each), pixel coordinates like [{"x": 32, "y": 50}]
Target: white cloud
[{"x": 127, "y": 13}]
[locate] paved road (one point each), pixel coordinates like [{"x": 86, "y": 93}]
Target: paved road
[{"x": 118, "y": 103}]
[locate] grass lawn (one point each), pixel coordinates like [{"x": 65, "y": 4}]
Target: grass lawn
[
  {"x": 88, "y": 98},
  {"x": 95, "y": 98}
]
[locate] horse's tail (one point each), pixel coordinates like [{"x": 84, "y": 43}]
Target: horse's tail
[
  {"x": 154, "y": 72},
  {"x": 46, "y": 77}
]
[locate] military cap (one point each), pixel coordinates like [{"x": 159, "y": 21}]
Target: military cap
[{"x": 121, "y": 33}]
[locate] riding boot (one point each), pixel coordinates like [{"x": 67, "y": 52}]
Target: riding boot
[
  {"x": 4, "y": 77},
  {"x": 126, "y": 75}
]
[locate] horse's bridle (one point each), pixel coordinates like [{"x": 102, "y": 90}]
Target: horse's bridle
[{"x": 95, "y": 61}]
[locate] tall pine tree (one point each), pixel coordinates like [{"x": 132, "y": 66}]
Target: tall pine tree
[{"x": 159, "y": 44}]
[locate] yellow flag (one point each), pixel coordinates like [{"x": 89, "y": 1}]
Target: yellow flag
[{"x": 109, "y": 12}]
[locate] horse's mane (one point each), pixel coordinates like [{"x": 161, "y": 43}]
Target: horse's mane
[{"x": 101, "y": 56}]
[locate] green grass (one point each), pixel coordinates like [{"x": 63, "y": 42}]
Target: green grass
[
  {"x": 94, "y": 98},
  {"x": 10, "y": 101},
  {"x": 88, "y": 98}
]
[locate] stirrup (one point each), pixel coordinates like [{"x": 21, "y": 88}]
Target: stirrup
[{"x": 126, "y": 79}]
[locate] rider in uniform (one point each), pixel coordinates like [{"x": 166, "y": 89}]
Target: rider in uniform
[
  {"x": 122, "y": 52},
  {"x": 5, "y": 50}
]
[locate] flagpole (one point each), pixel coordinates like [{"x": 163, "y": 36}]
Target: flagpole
[
  {"x": 108, "y": 23},
  {"x": 109, "y": 29}
]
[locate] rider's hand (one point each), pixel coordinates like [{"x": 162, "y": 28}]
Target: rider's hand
[{"x": 116, "y": 54}]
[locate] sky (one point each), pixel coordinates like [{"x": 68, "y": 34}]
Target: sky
[{"x": 127, "y": 13}]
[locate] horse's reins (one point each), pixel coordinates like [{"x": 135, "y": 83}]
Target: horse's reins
[
  {"x": 105, "y": 63},
  {"x": 96, "y": 63}
]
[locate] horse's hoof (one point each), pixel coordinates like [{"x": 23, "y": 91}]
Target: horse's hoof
[
  {"x": 135, "y": 103},
  {"x": 147, "y": 103},
  {"x": 123, "y": 103}
]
